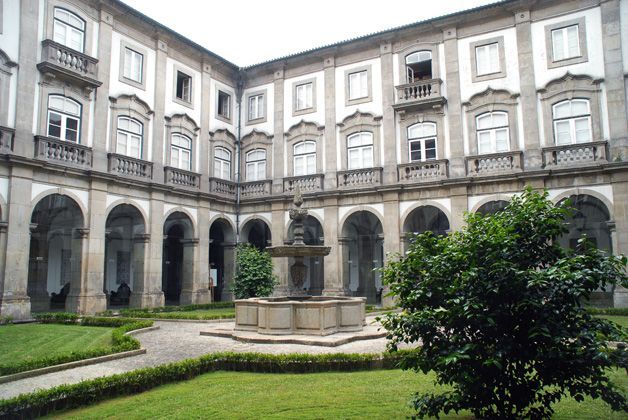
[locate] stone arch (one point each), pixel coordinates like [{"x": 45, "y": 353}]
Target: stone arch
[
  {"x": 259, "y": 228},
  {"x": 61, "y": 191},
  {"x": 110, "y": 207},
  {"x": 179, "y": 209},
  {"x": 222, "y": 241},
  {"x": 416, "y": 47},
  {"x": 425, "y": 218},
  {"x": 423, "y": 203},
  {"x": 587, "y": 191},
  {"x": 179, "y": 259},
  {"x": 356, "y": 209},
  {"x": 488, "y": 199}
]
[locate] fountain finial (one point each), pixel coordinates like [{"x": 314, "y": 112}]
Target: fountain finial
[{"x": 298, "y": 197}]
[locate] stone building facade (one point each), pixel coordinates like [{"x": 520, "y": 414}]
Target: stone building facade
[{"x": 133, "y": 156}]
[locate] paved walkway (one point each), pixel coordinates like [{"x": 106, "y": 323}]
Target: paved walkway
[{"x": 175, "y": 341}]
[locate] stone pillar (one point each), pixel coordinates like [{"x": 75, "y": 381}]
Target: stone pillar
[
  {"x": 388, "y": 142},
  {"x": 454, "y": 106},
  {"x": 158, "y": 122},
  {"x": 206, "y": 109},
  {"x": 344, "y": 266},
  {"x": 228, "y": 270},
  {"x": 280, "y": 265},
  {"x": 37, "y": 286},
  {"x": 333, "y": 284},
  {"x": 619, "y": 233},
  {"x": 191, "y": 292},
  {"x": 620, "y": 293},
  {"x": 141, "y": 261},
  {"x": 331, "y": 158},
  {"x": 532, "y": 157},
  {"x": 154, "y": 295},
  {"x": 392, "y": 230},
  {"x": 278, "y": 139},
  {"x": 87, "y": 261},
  {"x": 459, "y": 204},
  {"x": 14, "y": 301},
  {"x": 201, "y": 285}
]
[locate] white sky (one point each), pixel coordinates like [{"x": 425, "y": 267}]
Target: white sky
[{"x": 247, "y": 32}]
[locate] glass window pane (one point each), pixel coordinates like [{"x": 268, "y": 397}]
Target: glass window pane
[
  {"x": 500, "y": 119},
  {"x": 261, "y": 170},
  {"x": 484, "y": 142},
  {"x": 493, "y": 58},
  {"x": 579, "y": 107},
  {"x": 483, "y": 121},
  {"x": 572, "y": 41},
  {"x": 185, "y": 160},
  {"x": 311, "y": 164},
  {"x": 563, "y": 135},
  {"x": 354, "y": 159},
  {"x": 583, "y": 130},
  {"x": 481, "y": 60},
  {"x": 501, "y": 140},
  {"x": 54, "y": 124},
  {"x": 71, "y": 123},
  {"x": 298, "y": 165},
  {"x": 562, "y": 110},
  {"x": 367, "y": 157},
  {"x": 557, "y": 44}
]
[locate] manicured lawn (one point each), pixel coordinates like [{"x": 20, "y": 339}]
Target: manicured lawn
[
  {"x": 619, "y": 319},
  {"x": 376, "y": 394},
  {"x": 34, "y": 341}
]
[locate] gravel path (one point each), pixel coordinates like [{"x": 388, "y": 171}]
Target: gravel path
[{"x": 175, "y": 341}]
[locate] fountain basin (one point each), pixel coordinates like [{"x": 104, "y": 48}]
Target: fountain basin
[{"x": 303, "y": 315}]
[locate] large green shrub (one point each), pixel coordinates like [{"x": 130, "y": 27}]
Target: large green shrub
[
  {"x": 254, "y": 273},
  {"x": 497, "y": 308}
]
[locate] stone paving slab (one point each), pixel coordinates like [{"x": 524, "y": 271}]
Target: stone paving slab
[{"x": 173, "y": 342}]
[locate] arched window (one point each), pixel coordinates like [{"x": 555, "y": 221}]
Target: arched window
[
  {"x": 181, "y": 152},
  {"x": 256, "y": 165},
  {"x": 69, "y": 29},
  {"x": 492, "y": 131},
  {"x": 64, "y": 118},
  {"x": 130, "y": 134},
  {"x": 305, "y": 158},
  {"x": 360, "y": 150},
  {"x": 222, "y": 163},
  {"x": 572, "y": 121},
  {"x": 422, "y": 141},
  {"x": 419, "y": 66}
]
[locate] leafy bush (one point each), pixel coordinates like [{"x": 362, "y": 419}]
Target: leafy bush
[
  {"x": 254, "y": 273},
  {"x": 497, "y": 309}
]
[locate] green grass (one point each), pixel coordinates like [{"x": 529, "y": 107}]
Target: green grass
[
  {"x": 34, "y": 341},
  {"x": 622, "y": 320},
  {"x": 374, "y": 394},
  {"x": 217, "y": 313}
]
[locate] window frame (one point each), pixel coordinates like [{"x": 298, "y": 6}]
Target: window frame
[
  {"x": 572, "y": 122},
  {"x": 255, "y": 164},
  {"x": 305, "y": 156},
  {"x": 130, "y": 134},
  {"x": 473, "y": 46},
  {"x": 64, "y": 116},
  {"x": 221, "y": 162},
  {"x": 361, "y": 148},
  {"x": 295, "y": 86},
  {"x": 124, "y": 45},
  {"x": 492, "y": 132},
  {"x": 181, "y": 148},
  {"x": 222, "y": 117},
  {"x": 422, "y": 140},
  {"x": 175, "y": 76},
  {"x": 582, "y": 41},
  {"x": 83, "y": 31},
  {"x": 369, "y": 95},
  {"x": 260, "y": 118}
]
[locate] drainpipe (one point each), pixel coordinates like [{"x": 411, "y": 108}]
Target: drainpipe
[{"x": 239, "y": 90}]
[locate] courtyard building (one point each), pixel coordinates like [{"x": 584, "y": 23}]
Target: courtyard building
[{"x": 134, "y": 160}]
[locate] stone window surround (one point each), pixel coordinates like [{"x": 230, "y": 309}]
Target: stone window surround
[
  {"x": 369, "y": 85},
  {"x": 358, "y": 123},
  {"x": 226, "y": 140},
  {"x": 263, "y": 118},
  {"x": 220, "y": 116},
  {"x": 53, "y": 87},
  {"x": 89, "y": 22},
  {"x": 6, "y": 73},
  {"x": 256, "y": 140},
  {"x": 302, "y": 132},
  {"x": 182, "y": 124},
  {"x": 175, "y": 69},
  {"x": 296, "y": 111},
  {"x": 499, "y": 40},
  {"x": 424, "y": 46},
  {"x": 492, "y": 101},
  {"x": 411, "y": 119},
  {"x": 582, "y": 39},
  {"x": 123, "y": 46},
  {"x": 133, "y": 107},
  {"x": 570, "y": 87}
]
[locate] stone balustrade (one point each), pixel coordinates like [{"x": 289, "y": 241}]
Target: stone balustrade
[
  {"x": 6, "y": 139},
  {"x": 223, "y": 187},
  {"x": 254, "y": 189},
  {"x": 128, "y": 166},
  {"x": 575, "y": 154},
  {"x": 306, "y": 183},
  {"x": 356, "y": 178},
  {"x": 422, "y": 90},
  {"x": 62, "y": 152},
  {"x": 182, "y": 178},
  {"x": 494, "y": 164},
  {"x": 431, "y": 170},
  {"x": 64, "y": 61}
]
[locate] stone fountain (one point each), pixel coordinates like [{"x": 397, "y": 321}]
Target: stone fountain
[{"x": 299, "y": 313}]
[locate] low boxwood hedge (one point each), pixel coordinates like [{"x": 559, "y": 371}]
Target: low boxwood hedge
[
  {"x": 63, "y": 397},
  {"x": 120, "y": 341},
  {"x": 608, "y": 311}
]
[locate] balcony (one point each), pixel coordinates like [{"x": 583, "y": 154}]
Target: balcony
[
  {"x": 223, "y": 187},
  {"x": 494, "y": 164},
  {"x": 63, "y": 152},
  {"x": 419, "y": 94},
  {"x": 69, "y": 65},
  {"x": 575, "y": 154},
  {"x": 6, "y": 139},
  {"x": 126, "y": 166},
  {"x": 358, "y": 178},
  {"x": 306, "y": 183},
  {"x": 182, "y": 178},
  {"x": 254, "y": 189},
  {"x": 432, "y": 170}
]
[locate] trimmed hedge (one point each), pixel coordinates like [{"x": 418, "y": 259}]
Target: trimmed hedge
[
  {"x": 608, "y": 311},
  {"x": 64, "y": 397},
  {"x": 183, "y": 308},
  {"x": 120, "y": 341},
  {"x": 177, "y": 315}
]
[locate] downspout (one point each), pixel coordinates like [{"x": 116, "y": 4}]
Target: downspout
[{"x": 239, "y": 90}]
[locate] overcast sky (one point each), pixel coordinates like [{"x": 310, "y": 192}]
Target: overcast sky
[{"x": 247, "y": 32}]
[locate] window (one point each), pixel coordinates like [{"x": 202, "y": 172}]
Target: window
[
  {"x": 305, "y": 158},
  {"x": 358, "y": 85},
  {"x": 422, "y": 142},
  {"x": 64, "y": 118},
  {"x": 129, "y": 138},
  {"x": 492, "y": 132},
  {"x": 419, "y": 66},
  {"x": 181, "y": 152},
  {"x": 133, "y": 64},
  {"x": 360, "y": 150},
  {"x": 184, "y": 87},
  {"x": 256, "y": 165},
  {"x": 565, "y": 43},
  {"x": 68, "y": 29},
  {"x": 572, "y": 121},
  {"x": 487, "y": 59},
  {"x": 222, "y": 163},
  {"x": 224, "y": 104},
  {"x": 256, "y": 107},
  {"x": 304, "y": 96}
]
